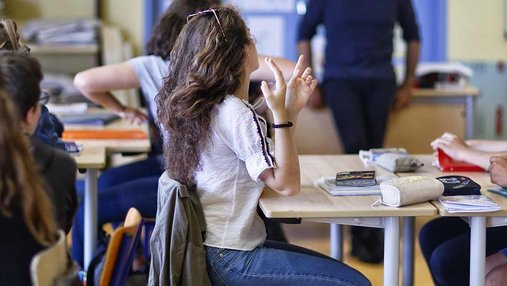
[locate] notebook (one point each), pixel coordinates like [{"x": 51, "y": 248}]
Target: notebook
[
  {"x": 447, "y": 164},
  {"x": 75, "y": 134}
]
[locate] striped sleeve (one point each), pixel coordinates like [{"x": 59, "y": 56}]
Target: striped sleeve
[{"x": 246, "y": 136}]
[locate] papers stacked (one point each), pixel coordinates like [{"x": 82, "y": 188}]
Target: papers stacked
[
  {"x": 469, "y": 204},
  {"x": 50, "y": 31},
  {"x": 330, "y": 185},
  {"x": 369, "y": 157}
]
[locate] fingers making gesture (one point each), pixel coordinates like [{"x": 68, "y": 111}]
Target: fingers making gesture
[{"x": 291, "y": 97}]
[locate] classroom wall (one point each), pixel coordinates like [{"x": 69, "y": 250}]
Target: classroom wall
[
  {"x": 475, "y": 30},
  {"x": 128, "y": 15}
]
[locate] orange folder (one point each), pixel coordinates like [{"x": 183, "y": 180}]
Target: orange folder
[
  {"x": 447, "y": 164},
  {"x": 75, "y": 134}
]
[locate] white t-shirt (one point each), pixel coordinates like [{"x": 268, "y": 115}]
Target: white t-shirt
[
  {"x": 228, "y": 183},
  {"x": 150, "y": 71}
]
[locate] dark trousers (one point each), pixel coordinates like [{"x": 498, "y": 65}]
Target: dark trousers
[
  {"x": 360, "y": 109},
  {"x": 445, "y": 244}
]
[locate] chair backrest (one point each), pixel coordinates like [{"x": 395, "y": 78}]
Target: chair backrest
[
  {"x": 121, "y": 250},
  {"x": 50, "y": 263}
]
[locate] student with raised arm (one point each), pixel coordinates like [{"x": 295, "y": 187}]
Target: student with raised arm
[
  {"x": 217, "y": 147},
  {"x": 136, "y": 183},
  {"x": 26, "y": 214}
]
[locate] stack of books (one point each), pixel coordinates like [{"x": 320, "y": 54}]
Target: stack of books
[{"x": 353, "y": 183}]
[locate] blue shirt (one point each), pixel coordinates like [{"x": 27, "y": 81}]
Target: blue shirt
[{"x": 359, "y": 34}]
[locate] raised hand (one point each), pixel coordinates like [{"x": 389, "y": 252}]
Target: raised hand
[
  {"x": 275, "y": 99},
  {"x": 299, "y": 88}
]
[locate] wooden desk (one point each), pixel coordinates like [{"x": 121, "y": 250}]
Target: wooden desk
[
  {"x": 313, "y": 204},
  {"x": 93, "y": 158},
  {"x": 477, "y": 221},
  {"x": 116, "y": 146}
]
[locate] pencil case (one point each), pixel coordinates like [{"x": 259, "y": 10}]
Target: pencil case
[
  {"x": 409, "y": 190},
  {"x": 398, "y": 163}
]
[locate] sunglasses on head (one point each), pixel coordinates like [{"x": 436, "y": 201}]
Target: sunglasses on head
[{"x": 209, "y": 11}]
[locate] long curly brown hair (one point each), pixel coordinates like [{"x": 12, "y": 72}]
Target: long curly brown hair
[
  {"x": 205, "y": 66},
  {"x": 169, "y": 25},
  {"x": 21, "y": 191}
]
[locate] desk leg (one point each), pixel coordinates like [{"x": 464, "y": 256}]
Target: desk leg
[
  {"x": 477, "y": 250},
  {"x": 408, "y": 251},
  {"x": 90, "y": 215},
  {"x": 391, "y": 250},
  {"x": 336, "y": 233},
  {"x": 469, "y": 117}
]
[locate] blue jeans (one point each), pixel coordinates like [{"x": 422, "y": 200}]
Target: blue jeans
[
  {"x": 277, "y": 263},
  {"x": 445, "y": 244}
]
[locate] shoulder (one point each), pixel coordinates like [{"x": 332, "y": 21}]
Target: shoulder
[{"x": 233, "y": 109}]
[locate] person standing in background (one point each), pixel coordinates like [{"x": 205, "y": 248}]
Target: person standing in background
[{"x": 359, "y": 81}]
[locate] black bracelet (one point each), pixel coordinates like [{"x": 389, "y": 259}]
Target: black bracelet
[{"x": 283, "y": 125}]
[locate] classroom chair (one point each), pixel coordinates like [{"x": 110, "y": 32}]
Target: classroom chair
[
  {"x": 121, "y": 250},
  {"x": 51, "y": 264}
]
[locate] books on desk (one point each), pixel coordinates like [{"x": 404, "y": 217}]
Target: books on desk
[
  {"x": 100, "y": 134},
  {"x": 99, "y": 119},
  {"x": 447, "y": 164},
  {"x": 468, "y": 204},
  {"x": 332, "y": 187}
]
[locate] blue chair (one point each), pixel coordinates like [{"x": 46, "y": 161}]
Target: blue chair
[{"x": 121, "y": 250}]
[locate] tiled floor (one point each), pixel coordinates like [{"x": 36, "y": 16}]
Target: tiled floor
[{"x": 316, "y": 236}]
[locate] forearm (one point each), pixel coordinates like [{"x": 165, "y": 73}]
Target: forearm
[
  {"x": 285, "y": 178},
  {"x": 106, "y": 100},
  {"x": 412, "y": 58},
  {"x": 97, "y": 83},
  {"x": 488, "y": 145},
  {"x": 480, "y": 158}
]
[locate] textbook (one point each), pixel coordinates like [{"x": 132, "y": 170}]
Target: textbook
[
  {"x": 447, "y": 164},
  {"x": 329, "y": 185}
]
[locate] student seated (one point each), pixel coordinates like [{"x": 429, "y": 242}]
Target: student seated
[
  {"x": 445, "y": 241},
  {"x": 217, "y": 147},
  {"x": 136, "y": 183},
  {"x": 26, "y": 216},
  {"x": 20, "y": 77}
]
